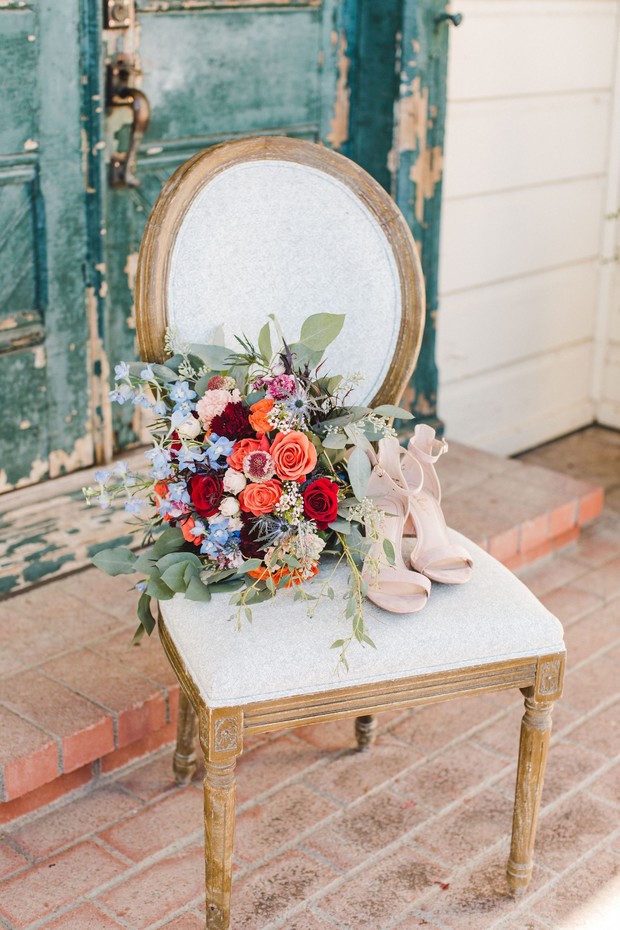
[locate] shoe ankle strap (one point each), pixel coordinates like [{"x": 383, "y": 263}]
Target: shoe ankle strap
[{"x": 430, "y": 457}]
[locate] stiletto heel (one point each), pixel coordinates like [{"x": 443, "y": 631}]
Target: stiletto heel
[
  {"x": 393, "y": 587},
  {"x": 433, "y": 554}
]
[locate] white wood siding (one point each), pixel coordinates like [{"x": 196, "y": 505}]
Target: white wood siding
[{"x": 526, "y": 186}]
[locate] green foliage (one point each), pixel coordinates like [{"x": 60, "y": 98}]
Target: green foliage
[{"x": 118, "y": 561}]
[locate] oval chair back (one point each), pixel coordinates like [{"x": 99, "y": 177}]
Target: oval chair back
[{"x": 280, "y": 226}]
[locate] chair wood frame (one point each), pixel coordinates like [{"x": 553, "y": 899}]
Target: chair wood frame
[
  {"x": 539, "y": 677},
  {"x": 220, "y": 729}
]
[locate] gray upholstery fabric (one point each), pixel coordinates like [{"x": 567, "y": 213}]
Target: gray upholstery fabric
[
  {"x": 278, "y": 237},
  {"x": 285, "y": 652}
]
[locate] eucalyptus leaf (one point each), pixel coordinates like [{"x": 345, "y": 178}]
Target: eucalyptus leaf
[
  {"x": 320, "y": 329},
  {"x": 359, "y": 472},
  {"x": 137, "y": 636},
  {"x": 217, "y": 358},
  {"x": 388, "y": 548},
  {"x": 249, "y": 566},
  {"x": 169, "y": 541},
  {"x": 155, "y": 587},
  {"x": 174, "y": 577},
  {"x": 335, "y": 441},
  {"x": 197, "y": 591},
  {"x": 337, "y": 644},
  {"x": 175, "y": 558},
  {"x": 144, "y": 563},
  {"x": 231, "y": 584},
  {"x": 264, "y": 342},
  {"x": 144, "y": 614},
  {"x": 202, "y": 384},
  {"x": 118, "y": 561},
  {"x": 340, "y": 526},
  {"x": 304, "y": 355},
  {"x": 390, "y": 410}
]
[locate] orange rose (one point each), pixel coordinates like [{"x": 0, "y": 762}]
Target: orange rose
[
  {"x": 260, "y": 498},
  {"x": 243, "y": 447},
  {"x": 161, "y": 489},
  {"x": 294, "y": 577},
  {"x": 186, "y": 526},
  {"x": 293, "y": 456},
  {"x": 259, "y": 418}
]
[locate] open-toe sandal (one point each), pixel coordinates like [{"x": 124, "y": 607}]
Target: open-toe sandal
[
  {"x": 393, "y": 587},
  {"x": 433, "y": 554}
]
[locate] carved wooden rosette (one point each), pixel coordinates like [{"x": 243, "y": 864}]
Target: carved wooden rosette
[
  {"x": 533, "y": 748},
  {"x": 221, "y": 739}
]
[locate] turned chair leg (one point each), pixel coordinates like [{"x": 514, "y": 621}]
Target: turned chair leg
[
  {"x": 533, "y": 746},
  {"x": 221, "y": 739},
  {"x": 365, "y": 732},
  {"x": 184, "y": 762}
]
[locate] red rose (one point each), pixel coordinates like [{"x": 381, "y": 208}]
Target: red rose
[
  {"x": 321, "y": 502},
  {"x": 205, "y": 492}
]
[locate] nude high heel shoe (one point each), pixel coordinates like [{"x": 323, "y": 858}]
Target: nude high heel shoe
[
  {"x": 433, "y": 554},
  {"x": 393, "y": 587}
]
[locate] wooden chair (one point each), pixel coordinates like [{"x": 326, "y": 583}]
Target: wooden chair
[{"x": 275, "y": 225}]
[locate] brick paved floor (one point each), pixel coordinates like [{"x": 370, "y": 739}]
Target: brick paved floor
[{"x": 413, "y": 834}]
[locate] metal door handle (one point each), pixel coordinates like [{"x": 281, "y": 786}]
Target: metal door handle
[
  {"x": 455, "y": 18},
  {"x": 121, "y": 94}
]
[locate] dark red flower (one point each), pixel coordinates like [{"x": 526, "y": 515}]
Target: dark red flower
[
  {"x": 205, "y": 492},
  {"x": 321, "y": 502},
  {"x": 233, "y": 422},
  {"x": 250, "y": 547}
]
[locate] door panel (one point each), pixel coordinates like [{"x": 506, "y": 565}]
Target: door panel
[{"x": 43, "y": 335}]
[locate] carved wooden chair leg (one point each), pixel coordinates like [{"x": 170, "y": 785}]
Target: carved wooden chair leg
[
  {"x": 365, "y": 732},
  {"x": 184, "y": 762},
  {"x": 221, "y": 742},
  {"x": 533, "y": 746}
]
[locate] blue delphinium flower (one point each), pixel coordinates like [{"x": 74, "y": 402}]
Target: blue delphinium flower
[
  {"x": 142, "y": 400},
  {"x": 103, "y": 475},
  {"x": 121, "y": 371},
  {"x": 180, "y": 392},
  {"x": 178, "y": 493},
  {"x": 159, "y": 409},
  {"x": 147, "y": 373},
  {"x": 122, "y": 393},
  {"x": 161, "y": 462},
  {"x": 217, "y": 539},
  {"x": 134, "y": 505},
  {"x": 219, "y": 447},
  {"x": 187, "y": 457}
]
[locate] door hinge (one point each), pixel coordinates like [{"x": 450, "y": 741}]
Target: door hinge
[{"x": 118, "y": 14}]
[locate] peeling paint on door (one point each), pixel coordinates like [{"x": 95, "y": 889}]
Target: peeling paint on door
[{"x": 342, "y": 104}]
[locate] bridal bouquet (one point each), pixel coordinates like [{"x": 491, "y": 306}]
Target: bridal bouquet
[{"x": 258, "y": 469}]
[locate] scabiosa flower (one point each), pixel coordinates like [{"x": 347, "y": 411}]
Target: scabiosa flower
[
  {"x": 221, "y": 383},
  {"x": 233, "y": 422},
  {"x": 258, "y": 466},
  {"x": 281, "y": 386}
]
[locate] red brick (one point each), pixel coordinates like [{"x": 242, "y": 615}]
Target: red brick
[
  {"x": 138, "y": 705},
  {"x": 365, "y": 829},
  {"x": 10, "y": 860},
  {"x": 121, "y": 757},
  {"x": 155, "y": 827},
  {"x": 152, "y": 778},
  {"x": 469, "y": 828},
  {"x": 554, "y": 573},
  {"x": 262, "y": 829},
  {"x": 562, "y": 519},
  {"x": 571, "y": 829},
  {"x": 535, "y": 532},
  {"x": 568, "y": 604},
  {"x": 146, "y": 659},
  {"x": 71, "y": 822},
  {"x": 577, "y": 888},
  {"x": 435, "y": 725},
  {"x": 601, "y": 732},
  {"x": 591, "y": 684},
  {"x": 185, "y": 922},
  {"x": 272, "y": 763},
  {"x": 25, "y": 637},
  {"x": 504, "y": 545},
  {"x": 350, "y": 776},
  {"x": 447, "y": 777},
  {"x": 535, "y": 553},
  {"x": 597, "y": 545},
  {"x": 56, "y": 882},
  {"x": 607, "y": 786},
  {"x": 593, "y": 633},
  {"x": 111, "y": 595},
  {"x": 330, "y": 737},
  {"x": 480, "y": 898},
  {"x": 273, "y": 889},
  {"x": 378, "y": 895},
  {"x": 56, "y": 608},
  {"x": 84, "y": 917},
  {"x": 566, "y": 539},
  {"x": 591, "y": 505},
  {"x": 159, "y": 890},
  {"x": 29, "y": 756},
  {"x": 44, "y": 795},
  {"x": 567, "y": 766},
  {"x": 86, "y": 731},
  {"x": 604, "y": 581}
]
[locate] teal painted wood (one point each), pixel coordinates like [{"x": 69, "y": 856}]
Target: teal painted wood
[
  {"x": 45, "y": 425},
  {"x": 418, "y": 166}
]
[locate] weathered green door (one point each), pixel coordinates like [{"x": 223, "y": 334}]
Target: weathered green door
[{"x": 363, "y": 76}]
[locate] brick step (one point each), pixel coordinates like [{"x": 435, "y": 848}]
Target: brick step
[{"x": 78, "y": 701}]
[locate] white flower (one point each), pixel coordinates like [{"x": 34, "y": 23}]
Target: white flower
[
  {"x": 189, "y": 427},
  {"x": 229, "y": 507},
  {"x": 234, "y": 524},
  {"x": 234, "y": 481}
]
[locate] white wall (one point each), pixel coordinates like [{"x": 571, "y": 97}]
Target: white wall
[{"x": 524, "y": 328}]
